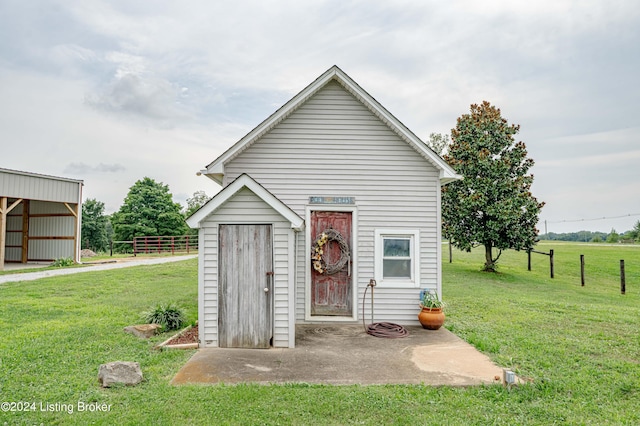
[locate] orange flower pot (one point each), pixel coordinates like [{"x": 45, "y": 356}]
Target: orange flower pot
[{"x": 431, "y": 318}]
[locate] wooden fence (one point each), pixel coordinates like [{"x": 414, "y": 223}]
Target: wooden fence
[{"x": 165, "y": 244}]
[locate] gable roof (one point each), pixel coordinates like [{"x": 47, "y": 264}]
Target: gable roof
[
  {"x": 245, "y": 181},
  {"x": 215, "y": 170}
]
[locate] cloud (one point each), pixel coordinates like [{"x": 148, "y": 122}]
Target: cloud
[
  {"x": 163, "y": 89},
  {"x": 151, "y": 99},
  {"x": 83, "y": 168}
]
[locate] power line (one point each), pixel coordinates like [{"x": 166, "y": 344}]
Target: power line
[{"x": 594, "y": 219}]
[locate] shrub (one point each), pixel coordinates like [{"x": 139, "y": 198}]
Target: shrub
[
  {"x": 170, "y": 317},
  {"x": 63, "y": 262}
]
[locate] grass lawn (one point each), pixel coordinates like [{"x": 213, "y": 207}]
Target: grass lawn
[{"x": 578, "y": 348}]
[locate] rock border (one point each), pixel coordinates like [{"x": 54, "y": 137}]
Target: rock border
[{"x": 166, "y": 344}]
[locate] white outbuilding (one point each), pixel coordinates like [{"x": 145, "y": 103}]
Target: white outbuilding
[
  {"x": 328, "y": 194},
  {"x": 40, "y": 217}
]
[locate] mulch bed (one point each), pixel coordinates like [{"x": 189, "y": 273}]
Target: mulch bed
[{"x": 189, "y": 336}]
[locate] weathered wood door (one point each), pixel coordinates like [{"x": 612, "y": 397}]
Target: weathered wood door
[
  {"x": 245, "y": 281},
  {"x": 331, "y": 294}
]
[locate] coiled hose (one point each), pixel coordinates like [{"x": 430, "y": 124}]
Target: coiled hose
[{"x": 387, "y": 330}]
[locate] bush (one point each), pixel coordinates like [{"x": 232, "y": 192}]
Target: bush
[
  {"x": 170, "y": 317},
  {"x": 63, "y": 262}
]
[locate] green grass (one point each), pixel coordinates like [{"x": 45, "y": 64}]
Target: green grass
[{"x": 577, "y": 347}]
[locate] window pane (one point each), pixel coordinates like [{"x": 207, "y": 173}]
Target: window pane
[
  {"x": 396, "y": 268},
  {"x": 397, "y": 247}
]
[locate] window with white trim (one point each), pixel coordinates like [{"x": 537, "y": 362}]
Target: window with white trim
[{"x": 397, "y": 254}]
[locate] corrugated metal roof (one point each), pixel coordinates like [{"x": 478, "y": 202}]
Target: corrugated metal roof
[{"x": 35, "y": 186}]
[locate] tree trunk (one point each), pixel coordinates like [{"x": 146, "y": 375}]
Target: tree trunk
[{"x": 489, "y": 264}]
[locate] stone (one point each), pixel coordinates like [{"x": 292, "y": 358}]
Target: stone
[
  {"x": 124, "y": 372},
  {"x": 143, "y": 331}
]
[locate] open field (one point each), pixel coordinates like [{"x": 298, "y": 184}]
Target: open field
[{"x": 578, "y": 348}]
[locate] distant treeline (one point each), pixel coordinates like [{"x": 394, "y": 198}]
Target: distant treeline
[{"x": 632, "y": 236}]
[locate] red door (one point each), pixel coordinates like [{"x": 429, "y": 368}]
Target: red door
[{"x": 331, "y": 294}]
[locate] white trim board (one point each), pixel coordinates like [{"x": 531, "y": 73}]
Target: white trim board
[{"x": 245, "y": 181}]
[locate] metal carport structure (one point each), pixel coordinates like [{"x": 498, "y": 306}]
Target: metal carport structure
[{"x": 40, "y": 217}]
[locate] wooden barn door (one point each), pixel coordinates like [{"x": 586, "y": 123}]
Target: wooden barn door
[
  {"x": 331, "y": 294},
  {"x": 245, "y": 281}
]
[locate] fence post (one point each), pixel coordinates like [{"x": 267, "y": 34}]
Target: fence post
[
  {"x": 450, "y": 252},
  {"x": 582, "y": 270},
  {"x": 135, "y": 246},
  {"x": 623, "y": 283},
  {"x": 187, "y": 242},
  {"x": 172, "y": 241},
  {"x": 551, "y": 262},
  {"x": 529, "y": 260}
]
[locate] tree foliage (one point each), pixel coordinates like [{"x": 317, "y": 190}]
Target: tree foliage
[
  {"x": 613, "y": 236},
  {"x": 634, "y": 234},
  {"x": 439, "y": 143},
  {"x": 583, "y": 236},
  {"x": 148, "y": 209},
  {"x": 198, "y": 200},
  {"x": 492, "y": 205},
  {"x": 94, "y": 226}
]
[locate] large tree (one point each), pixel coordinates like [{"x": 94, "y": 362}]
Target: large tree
[
  {"x": 492, "y": 205},
  {"x": 148, "y": 210},
  {"x": 94, "y": 226}
]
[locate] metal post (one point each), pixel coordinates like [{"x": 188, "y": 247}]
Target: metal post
[
  {"x": 450, "y": 252},
  {"x": 372, "y": 284},
  {"x": 623, "y": 281},
  {"x": 582, "y": 270},
  {"x": 551, "y": 262}
]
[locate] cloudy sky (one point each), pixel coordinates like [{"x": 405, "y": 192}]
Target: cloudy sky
[{"x": 112, "y": 91}]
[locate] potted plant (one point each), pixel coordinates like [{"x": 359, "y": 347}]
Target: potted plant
[{"x": 431, "y": 316}]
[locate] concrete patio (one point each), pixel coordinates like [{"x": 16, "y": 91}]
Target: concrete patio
[{"x": 345, "y": 355}]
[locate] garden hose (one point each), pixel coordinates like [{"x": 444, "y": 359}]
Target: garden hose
[{"x": 381, "y": 329}]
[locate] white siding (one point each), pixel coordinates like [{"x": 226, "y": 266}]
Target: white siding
[
  {"x": 246, "y": 207},
  {"x": 334, "y": 146}
]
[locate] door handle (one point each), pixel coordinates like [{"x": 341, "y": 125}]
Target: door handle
[{"x": 270, "y": 275}]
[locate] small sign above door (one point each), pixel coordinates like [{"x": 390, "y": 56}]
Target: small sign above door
[{"x": 332, "y": 200}]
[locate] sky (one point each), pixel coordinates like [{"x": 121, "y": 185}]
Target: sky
[{"x": 112, "y": 91}]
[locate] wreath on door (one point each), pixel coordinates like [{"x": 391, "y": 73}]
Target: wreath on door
[{"x": 317, "y": 251}]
